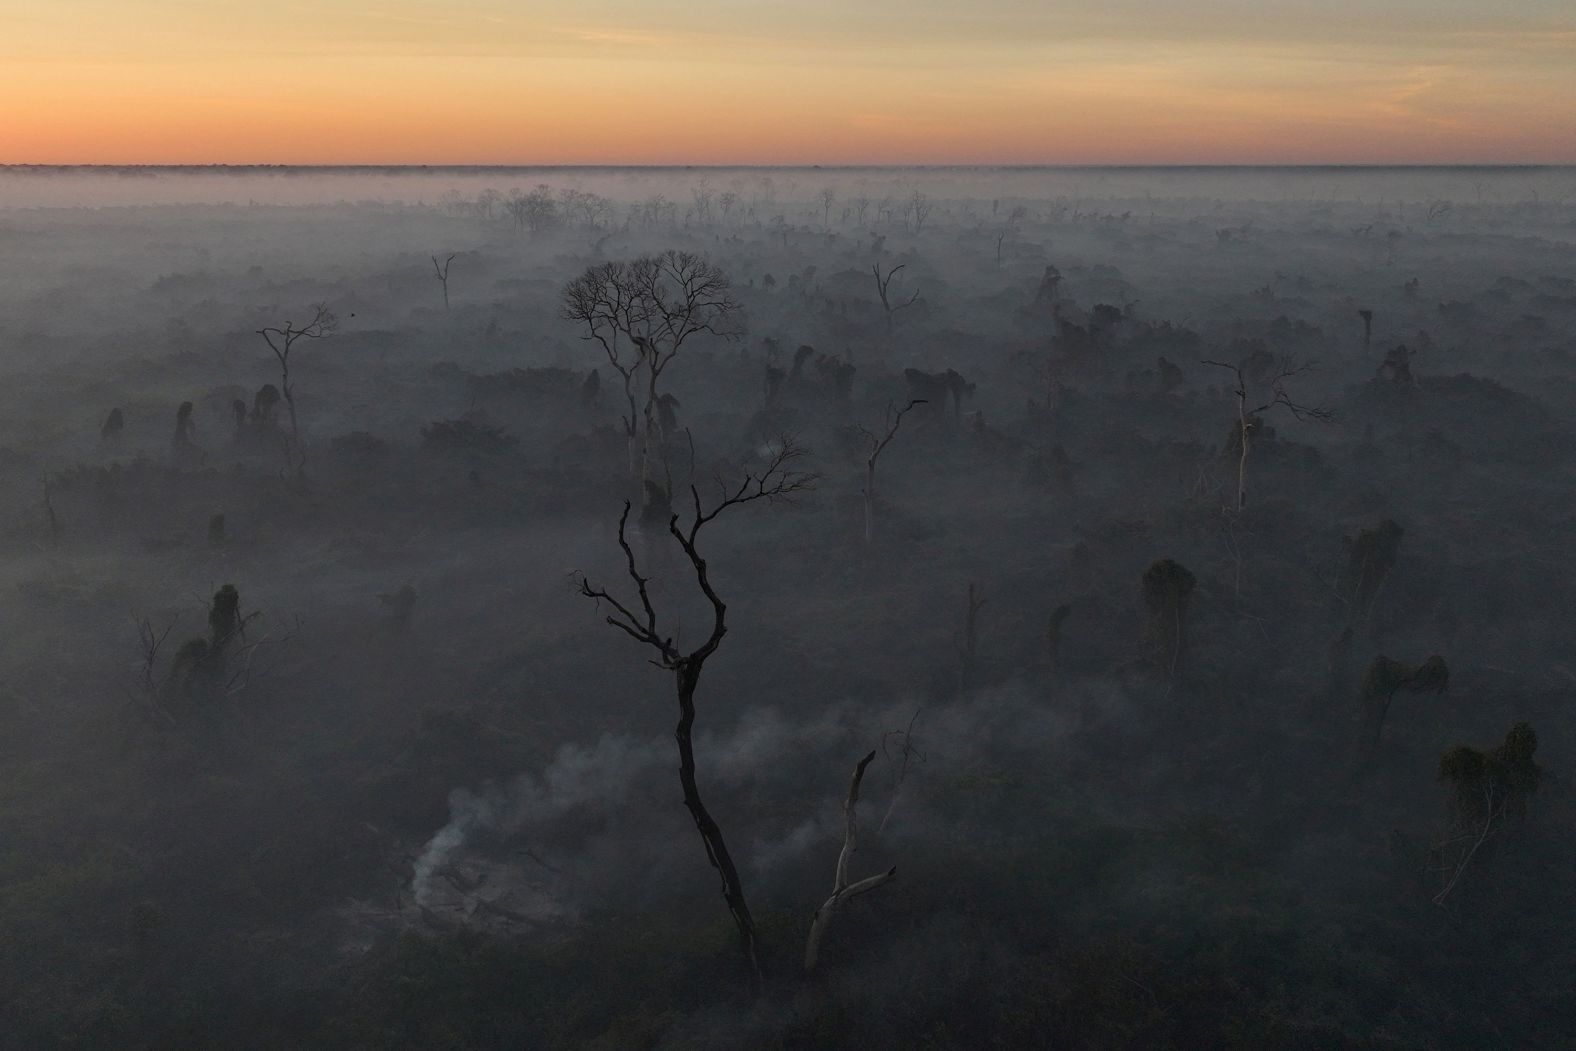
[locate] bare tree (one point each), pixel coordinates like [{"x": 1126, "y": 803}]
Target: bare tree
[
  {"x": 641, "y": 313},
  {"x": 883, "y": 287},
  {"x": 149, "y": 689},
  {"x": 894, "y": 420},
  {"x": 701, "y": 194},
  {"x": 281, "y": 341},
  {"x": 826, "y": 197},
  {"x": 601, "y": 300},
  {"x": 908, "y": 752},
  {"x": 918, "y": 209},
  {"x": 1010, "y": 227},
  {"x": 1249, "y": 420},
  {"x": 443, "y": 276},
  {"x": 777, "y": 480},
  {"x": 842, "y": 890}
]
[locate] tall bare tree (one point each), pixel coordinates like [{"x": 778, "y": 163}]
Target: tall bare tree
[
  {"x": 1250, "y": 420},
  {"x": 641, "y": 313},
  {"x": 281, "y": 341},
  {"x": 778, "y": 479},
  {"x": 826, "y": 197},
  {"x": 883, "y": 288},
  {"x": 442, "y": 273},
  {"x": 894, "y": 420}
]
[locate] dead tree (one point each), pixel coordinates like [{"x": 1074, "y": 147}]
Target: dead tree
[
  {"x": 894, "y": 420},
  {"x": 443, "y": 276},
  {"x": 281, "y": 341},
  {"x": 1250, "y": 420},
  {"x": 640, "y": 313},
  {"x": 908, "y": 753},
  {"x": 883, "y": 288},
  {"x": 777, "y": 480},
  {"x": 842, "y": 890},
  {"x": 1010, "y": 227},
  {"x": 826, "y": 197},
  {"x": 206, "y": 670},
  {"x": 150, "y": 685}
]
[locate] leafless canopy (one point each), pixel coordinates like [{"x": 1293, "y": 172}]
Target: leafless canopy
[
  {"x": 281, "y": 341},
  {"x": 1247, "y": 419},
  {"x": 883, "y": 285},
  {"x": 778, "y": 479},
  {"x": 662, "y": 299},
  {"x": 1287, "y": 369}
]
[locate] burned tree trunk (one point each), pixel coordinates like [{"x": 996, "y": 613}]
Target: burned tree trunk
[
  {"x": 776, "y": 481},
  {"x": 842, "y": 890},
  {"x": 687, "y": 676}
]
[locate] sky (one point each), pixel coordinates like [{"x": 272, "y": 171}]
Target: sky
[{"x": 808, "y": 82}]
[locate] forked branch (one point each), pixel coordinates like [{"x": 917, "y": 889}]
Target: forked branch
[{"x": 842, "y": 890}]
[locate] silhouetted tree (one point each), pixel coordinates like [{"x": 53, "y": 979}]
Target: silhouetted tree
[
  {"x": 281, "y": 341},
  {"x": 777, "y": 480},
  {"x": 641, "y": 313},
  {"x": 894, "y": 420},
  {"x": 442, "y": 273},
  {"x": 1250, "y": 420},
  {"x": 883, "y": 288}
]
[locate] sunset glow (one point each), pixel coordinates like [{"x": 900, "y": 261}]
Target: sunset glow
[{"x": 712, "y": 82}]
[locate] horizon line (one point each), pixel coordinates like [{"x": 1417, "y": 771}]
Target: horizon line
[{"x": 26, "y": 166}]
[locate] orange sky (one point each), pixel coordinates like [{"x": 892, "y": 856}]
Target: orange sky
[{"x": 723, "y": 81}]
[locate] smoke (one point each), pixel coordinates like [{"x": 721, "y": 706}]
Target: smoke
[
  {"x": 467, "y": 811},
  {"x": 600, "y": 776},
  {"x": 602, "y": 819}
]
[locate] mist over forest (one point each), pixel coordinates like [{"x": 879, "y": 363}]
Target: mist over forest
[{"x": 787, "y": 608}]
